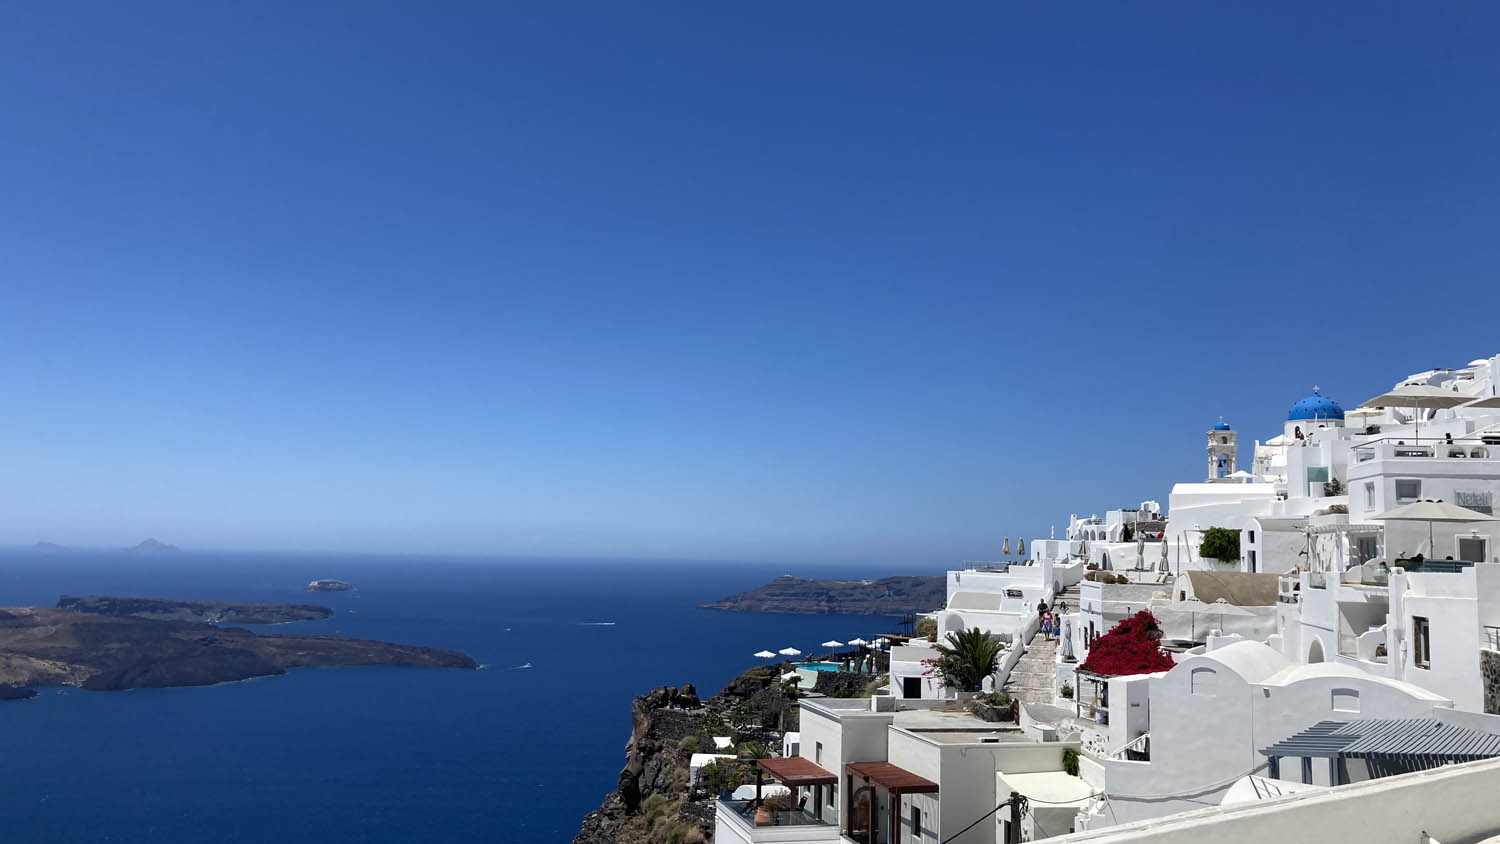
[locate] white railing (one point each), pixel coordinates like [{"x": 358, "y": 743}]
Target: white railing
[{"x": 1139, "y": 744}]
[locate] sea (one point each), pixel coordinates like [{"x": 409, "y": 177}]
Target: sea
[{"x": 519, "y": 751}]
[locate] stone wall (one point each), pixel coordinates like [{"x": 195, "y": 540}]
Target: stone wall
[
  {"x": 1489, "y": 672},
  {"x": 830, "y": 683}
]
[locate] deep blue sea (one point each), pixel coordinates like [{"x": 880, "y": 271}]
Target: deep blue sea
[{"x": 382, "y": 754}]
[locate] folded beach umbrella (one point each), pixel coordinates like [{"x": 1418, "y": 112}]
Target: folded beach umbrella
[{"x": 765, "y": 654}]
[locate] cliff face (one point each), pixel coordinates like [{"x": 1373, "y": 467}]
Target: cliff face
[
  {"x": 653, "y": 804},
  {"x": 804, "y": 596}
]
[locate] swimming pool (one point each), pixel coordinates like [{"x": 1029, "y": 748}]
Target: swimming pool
[{"x": 819, "y": 666}]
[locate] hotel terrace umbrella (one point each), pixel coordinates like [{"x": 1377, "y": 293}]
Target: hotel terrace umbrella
[
  {"x": 765, "y": 655},
  {"x": 1485, "y": 403},
  {"x": 1005, "y": 547},
  {"x": 858, "y": 641},
  {"x": 1165, "y": 565},
  {"x": 1433, "y": 511},
  {"x": 1418, "y": 397},
  {"x": 1020, "y": 547},
  {"x": 789, "y": 652},
  {"x": 833, "y": 643}
]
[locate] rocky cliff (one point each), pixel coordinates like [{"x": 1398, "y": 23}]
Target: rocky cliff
[
  {"x": 653, "y": 804},
  {"x": 805, "y": 596}
]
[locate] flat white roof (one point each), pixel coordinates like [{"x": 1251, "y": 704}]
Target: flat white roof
[{"x": 1055, "y": 788}]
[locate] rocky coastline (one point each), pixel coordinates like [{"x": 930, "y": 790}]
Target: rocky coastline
[
  {"x": 214, "y": 612},
  {"x": 653, "y": 804},
  {"x": 805, "y": 596},
  {"x": 100, "y": 650}
]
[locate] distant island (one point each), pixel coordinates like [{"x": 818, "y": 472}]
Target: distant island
[
  {"x": 151, "y": 546},
  {"x": 329, "y": 584},
  {"x": 108, "y": 643},
  {"x": 213, "y": 612},
  {"x": 805, "y": 596}
]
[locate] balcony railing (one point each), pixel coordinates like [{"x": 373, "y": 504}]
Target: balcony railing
[
  {"x": 1427, "y": 448},
  {"x": 741, "y": 810},
  {"x": 1492, "y": 636}
]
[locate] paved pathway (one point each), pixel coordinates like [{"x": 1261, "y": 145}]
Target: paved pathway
[{"x": 1034, "y": 679}]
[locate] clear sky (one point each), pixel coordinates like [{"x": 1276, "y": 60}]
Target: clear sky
[{"x": 801, "y": 281}]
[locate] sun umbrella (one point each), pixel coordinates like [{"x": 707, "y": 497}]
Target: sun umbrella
[
  {"x": 1223, "y": 608},
  {"x": 1364, "y": 412},
  {"x": 1433, "y": 511},
  {"x": 1005, "y": 548},
  {"x": 1489, "y": 402},
  {"x": 765, "y": 655},
  {"x": 858, "y": 641},
  {"x": 1165, "y": 566},
  {"x": 1418, "y": 397},
  {"x": 833, "y": 643},
  {"x": 789, "y": 652},
  {"x": 1020, "y": 547}
]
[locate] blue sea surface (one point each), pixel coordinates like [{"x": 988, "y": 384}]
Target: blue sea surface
[{"x": 382, "y": 754}]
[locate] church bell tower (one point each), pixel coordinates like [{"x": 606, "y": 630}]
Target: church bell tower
[{"x": 1221, "y": 452}]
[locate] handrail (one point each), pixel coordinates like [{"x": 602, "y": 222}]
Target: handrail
[{"x": 1140, "y": 743}]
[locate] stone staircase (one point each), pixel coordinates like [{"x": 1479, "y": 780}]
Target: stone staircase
[{"x": 1034, "y": 679}]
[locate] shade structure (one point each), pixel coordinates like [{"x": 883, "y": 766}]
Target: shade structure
[
  {"x": 1485, "y": 403},
  {"x": 892, "y": 778},
  {"x": 1220, "y": 608},
  {"x": 765, "y": 655},
  {"x": 1005, "y": 547},
  {"x": 833, "y": 643},
  {"x": 1363, "y": 412},
  {"x": 858, "y": 641},
  {"x": 789, "y": 652},
  {"x": 790, "y": 675},
  {"x": 1418, "y": 397},
  {"x": 796, "y": 771},
  {"x": 1020, "y": 547},
  {"x": 1433, "y": 511},
  {"x": 1165, "y": 565}
]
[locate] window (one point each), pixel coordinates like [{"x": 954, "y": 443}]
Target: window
[
  {"x": 1252, "y": 561},
  {"x": 1408, "y": 490},
  {"x": 1370, "y": 496},
  {"x": 1368, "y": 548},
  {"x": 1204, "y": 681},
  {"x": 1471, "y": 548},
  {"x": 1252, "y": 537},
  {"x": 818, "y": 753},
  {"x": 916, "y": 822},
  {"x": 1345, "y": 700},
  {"x": 1421, "y": 638},
  {"x": 833, "y": 795},
  {"x": 1475, "y": 499},
  {"x": 1307, "y": 770}
]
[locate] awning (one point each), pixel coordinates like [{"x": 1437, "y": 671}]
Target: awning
[
  {"x": 796, "y": 771},
  {"x": 1423, "y": 741},
  {"x": 892, "y": 778}
]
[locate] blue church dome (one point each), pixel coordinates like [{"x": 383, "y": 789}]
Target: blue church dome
[
  {"x": 1221, "y": 425},
  {"x": 1315, "y": 406}
]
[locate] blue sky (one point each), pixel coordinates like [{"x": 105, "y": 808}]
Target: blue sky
[{"x": 820, "y": 282}]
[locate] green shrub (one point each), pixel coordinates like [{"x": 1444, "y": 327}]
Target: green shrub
[
  {"x": 927, "y": 629},
  {"x": 689, "y": 744},
  {"x": 1070, "y": 762},
  {"x": 1220, "y": 544},
  {"x": 1066, "y": 691}
]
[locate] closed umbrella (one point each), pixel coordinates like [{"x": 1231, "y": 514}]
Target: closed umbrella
[
  {"x": 1020, "y": 547},
  {"x": 789, "y": 652},
  {"x": 765, "y": 655},
  {"x": 1418, "y": 397},
  {"x": 1433, "y": 511},
  {"x": 1165, "y": 566},
  {"x": 1005, "y": 548}
]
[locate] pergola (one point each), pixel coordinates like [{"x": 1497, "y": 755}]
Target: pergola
[
  {"x": 796, "y": 772},
  {"x": 894, "y": 780}
]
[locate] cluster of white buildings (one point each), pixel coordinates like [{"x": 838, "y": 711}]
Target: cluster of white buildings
[{"x": 1340, "y": 675}]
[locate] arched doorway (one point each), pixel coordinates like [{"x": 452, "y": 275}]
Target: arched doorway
[{"x": 1315, "y": 652}]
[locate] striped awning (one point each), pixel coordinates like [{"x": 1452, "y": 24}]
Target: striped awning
[{"x": 1410, "y": 740}]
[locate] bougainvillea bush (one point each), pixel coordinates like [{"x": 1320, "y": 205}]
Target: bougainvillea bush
[{"x": 1132, "y": 647}]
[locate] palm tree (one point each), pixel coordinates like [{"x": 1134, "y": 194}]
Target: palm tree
[{"x": 967, "y": 658}]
